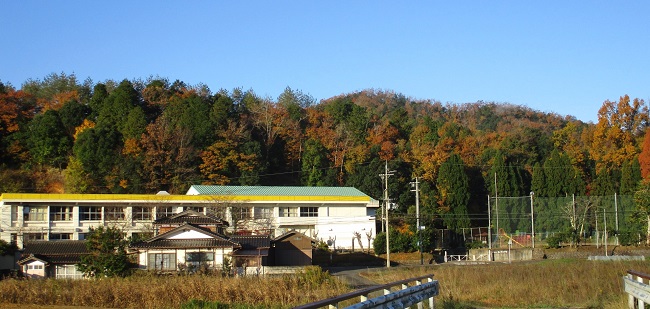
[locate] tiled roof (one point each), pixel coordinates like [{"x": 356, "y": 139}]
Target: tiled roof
[
  {"x": 191, "y": 216},
  {"x": 187, "y": 244},
  {"x": 185, "y": 226},
  {"x": 55, "y": 252},
  {"x": 58, "y": 247},
  {"x": 252, "y": 242},
  {"x": 278, "y": 191}
]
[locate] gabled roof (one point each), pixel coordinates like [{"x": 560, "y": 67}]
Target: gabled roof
[
  {"x": 291, "y": 233},
  {"x": 162, "y": 241},
  {"x": 55, "y": 252},
  {"x": 191, "y": 216},
  {"x": 282, "y": 192},
  {"x": 24, "y": 259}
]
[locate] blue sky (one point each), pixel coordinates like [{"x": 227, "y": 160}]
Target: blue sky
[{"x": 565, "y": 57}]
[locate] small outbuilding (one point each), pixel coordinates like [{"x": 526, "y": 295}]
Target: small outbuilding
[
  {"x": 293, "y": 249},
  {"x": 53, "y": 259}
]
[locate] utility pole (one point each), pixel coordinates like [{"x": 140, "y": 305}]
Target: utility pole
[
  {"x": 384, "y": 176},
  {"x": 532, "y": 219},
  {"x": 416, "y": 183},
  {"x": 489, "y": 229}
]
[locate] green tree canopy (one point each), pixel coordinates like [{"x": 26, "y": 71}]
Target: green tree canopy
[{"x": 106, "y": 253}]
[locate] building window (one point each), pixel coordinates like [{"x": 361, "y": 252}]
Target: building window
[
  {"x": 37, "y": 266},
  {"x": 162, "y": 261},
  {"x": 88, "y": 213},
  {"x": 263, "y": 212},
  {"x": 288, "y": 212},
  {"x": 60, "y": 236},
  {"x": 33, "y": 236},
  {"x": 68, "y": 272},
  {"x": 195, "y": 259},
  {"x": 164, "y": 211},
  {"x": 195, "y": 208},
  {"x": 114, "y": 213},
  {"x": 35, "y": 213},
  {"x": 241, "y": 212},
  {"x": 61, "y": 213},
  {"x": 14, "y": 213},
  {"x": 142, "y": 213},
  {"x": 309, "y": 211}
]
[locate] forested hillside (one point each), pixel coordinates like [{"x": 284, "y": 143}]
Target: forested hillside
[{"x": 60, "y": 135}]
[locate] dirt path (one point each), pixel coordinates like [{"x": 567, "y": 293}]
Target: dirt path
[{"x": 350, "y": 275}]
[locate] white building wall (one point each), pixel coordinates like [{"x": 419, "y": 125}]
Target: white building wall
[{"x": 335, "y": 221}]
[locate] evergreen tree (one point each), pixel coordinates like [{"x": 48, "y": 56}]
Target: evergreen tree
[
  {"x": 630, "y": 177},
  {"x": 453, "y": 187},
  {"x": 47, "y": 140},
  {"x": 538, "y": 184},
  {"x": 605, "y": 182},
  {"x": 107, "y": 253}
]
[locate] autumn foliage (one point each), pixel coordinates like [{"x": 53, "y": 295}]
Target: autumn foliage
[{"x": 143, "y": 136}]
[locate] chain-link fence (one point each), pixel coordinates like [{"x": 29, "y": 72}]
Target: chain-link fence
[{"x": 577, "y": 219}]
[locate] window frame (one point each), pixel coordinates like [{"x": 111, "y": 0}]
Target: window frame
[
  {"x": 164, "y": 211},
  {"x": 33, "y": 215},
  {"x": 114, "y": 213},
  {"x": 90, "y": 213},
  {"x": 168, "y": 261},
  {"x": 142, "y": 213},
  {"x": 308, "y": 211},
  {"x": 289, "y": 212},
  {"x": 61, "y": 213}
]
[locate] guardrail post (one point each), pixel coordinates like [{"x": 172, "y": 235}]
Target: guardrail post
[
  {"x": 630, "y": 298},
  {"x": 640, "y": 301},
  {"x": 431, "y": 301}
]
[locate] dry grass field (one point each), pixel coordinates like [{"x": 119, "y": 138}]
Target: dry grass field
[
  {"x": 150, "y": 291},
  {"x": 540, "y": 284},
  {"x": 569, "y": 283}
]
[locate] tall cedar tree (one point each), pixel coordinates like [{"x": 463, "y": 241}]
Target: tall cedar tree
[
  {"x": 453, "y": 187},
  {"x": 630, "y": 177}
]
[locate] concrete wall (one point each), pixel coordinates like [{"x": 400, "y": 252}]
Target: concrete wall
[{"x": 503, "y": 255}]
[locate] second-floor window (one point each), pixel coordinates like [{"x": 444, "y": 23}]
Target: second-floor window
[
  {"x": 309, "y": 211},
  {"x": 142, "y": 213},
  {"x": 288, "y": 212},
  {"x": 61, "y": 213},
  {"x": 263, "y": 212},
  {"x": 88, "y": 213},
  {"x": 164, "y": 211},
  {"x": 37, "y": 213},
  {"x": 114, "y": 213}
]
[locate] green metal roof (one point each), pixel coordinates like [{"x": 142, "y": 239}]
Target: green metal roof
[{"x": 278, "y": 191}]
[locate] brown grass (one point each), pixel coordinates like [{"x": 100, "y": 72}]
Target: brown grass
[
  {"x": 171, "y": 292},
  {"x": 543, "y": 284}
]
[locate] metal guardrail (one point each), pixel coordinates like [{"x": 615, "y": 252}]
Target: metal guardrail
[
  {"x": 403, "y": 298},
  {"x": 636, "y": 287}
]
